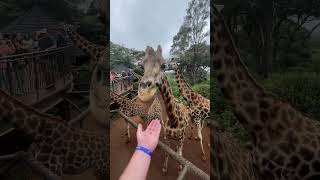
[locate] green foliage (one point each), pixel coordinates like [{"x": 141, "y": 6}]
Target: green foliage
[
  {"x": 301, "y": 90},
  {"x": 203, "y": 88},
  {"x": 288, "y": 46},
  {"x": 138, "y": 70},
  {"x": 121, "y": 55},
  {"x": 175, "y": 89}
]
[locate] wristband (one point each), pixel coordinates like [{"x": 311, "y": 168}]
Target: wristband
[{"x": 147, "y": 151}]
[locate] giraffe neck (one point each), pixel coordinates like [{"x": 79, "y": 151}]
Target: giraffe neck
[
  {"x": 88, "y": 47},
  {"x": 171, "y": 104},
  {"x": 184, "y": 88},
  {"x": 240, "y": 90},
  {"x": 24, "y": 117},
  {"x": 128, "y": 107},
  {"x": 118, "y": 99}
]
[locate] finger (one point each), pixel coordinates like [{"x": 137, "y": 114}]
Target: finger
[
  {"x": 139, "y": 128},
  {"x": 154, "y": 126},
  {"x": 150, "y": 126},
  {"x": 158, "y": 128}
]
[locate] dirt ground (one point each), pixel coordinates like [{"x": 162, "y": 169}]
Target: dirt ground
[{"x": 120, "y": 154}]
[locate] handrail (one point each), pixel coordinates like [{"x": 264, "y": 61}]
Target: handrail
[{"x": 32, "y": 54}]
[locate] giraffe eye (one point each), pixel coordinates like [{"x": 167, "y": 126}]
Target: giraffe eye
[{"x": 163, "y": 66}]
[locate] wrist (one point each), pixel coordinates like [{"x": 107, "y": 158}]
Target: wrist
[
  {"x": 146, "y": 146},
  {"x": 145, "y": 150}
]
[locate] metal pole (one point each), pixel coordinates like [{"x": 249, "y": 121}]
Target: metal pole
[{"x": 173, "y": 154}]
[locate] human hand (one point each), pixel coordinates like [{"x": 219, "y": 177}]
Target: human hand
[{"x": 149, "y": 138}]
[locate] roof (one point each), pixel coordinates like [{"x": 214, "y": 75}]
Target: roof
[{"x": 33, "y": 20}]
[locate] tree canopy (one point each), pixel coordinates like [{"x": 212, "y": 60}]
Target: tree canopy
[
  {"x": 120, "y": 55},
  {"x": 190, "y": 43}
]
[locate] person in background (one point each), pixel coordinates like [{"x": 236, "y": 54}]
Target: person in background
[
  {"x": 17, "y": 41},
  {"x": 139, "y": 163},
  {"x": 46, "y": 42},
  {"x": 112, "y": 78},
  {"x": 27, "y": 43},
  {"x": 36, "y": 41},
  {"x": 6, "y": 47}
]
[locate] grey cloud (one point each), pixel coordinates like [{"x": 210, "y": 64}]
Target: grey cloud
[{"x": 138, "y": 23}]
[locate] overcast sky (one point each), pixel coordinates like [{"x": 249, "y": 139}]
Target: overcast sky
[{"x": 138, "y": 23}]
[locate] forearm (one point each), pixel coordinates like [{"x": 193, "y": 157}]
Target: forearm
[{"x": 137, "y": 168}]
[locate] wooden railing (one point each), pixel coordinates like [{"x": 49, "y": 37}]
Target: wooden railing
[{"x": 30, "y": 73}]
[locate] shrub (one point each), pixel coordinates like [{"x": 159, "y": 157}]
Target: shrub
[
  {"x": 301, "y": 90},
  {"x": 203, "y": 88}
]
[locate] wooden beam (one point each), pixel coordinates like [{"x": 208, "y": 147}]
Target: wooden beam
[{"x": 79, "y": 118}]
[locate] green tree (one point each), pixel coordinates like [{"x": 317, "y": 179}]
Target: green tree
[
  {"x": 263, "y": 27},
  {"x": 121, "y": 55},
  {"x": 190, "y": 42}
]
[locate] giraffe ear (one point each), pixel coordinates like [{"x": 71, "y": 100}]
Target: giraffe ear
[
  {"x": 159, "y": 50},
  {"x": 149, "y": 52},
  {"x": 159, "y": 55}
]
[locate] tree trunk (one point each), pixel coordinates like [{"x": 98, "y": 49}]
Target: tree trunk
[{"x": 267, "y": 26}]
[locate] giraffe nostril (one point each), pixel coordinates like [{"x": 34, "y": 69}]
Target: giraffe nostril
[{"x": 149, "y": 83}]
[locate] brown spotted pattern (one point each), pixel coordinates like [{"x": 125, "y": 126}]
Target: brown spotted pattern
[
  {"x": 199, "y": 106},
  {"x": 286, "y": 144},
  {"x": 62, "y": 149},
  {"x": 129, "y": 108},
  {"x": 99, "y": 56},
  {"x": 178, "y": 116}
]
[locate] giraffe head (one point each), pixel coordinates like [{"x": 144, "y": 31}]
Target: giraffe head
[
  {"x": 98, "y": 89},
  {"x": 153, "y": 64}
]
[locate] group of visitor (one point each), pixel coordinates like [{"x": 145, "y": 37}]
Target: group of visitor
[
  {"x": 12, "y": 44},
  {"x": 126, "y": 78}
]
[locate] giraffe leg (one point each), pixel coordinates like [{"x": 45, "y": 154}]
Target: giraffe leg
[
  {"x": 199, "y": 128},
  {"x": 128, "y": 133},
  {"x": 191, "y": 132},
  {"x": 165, "y": 165},
  {"x": 179, "y": 151}
]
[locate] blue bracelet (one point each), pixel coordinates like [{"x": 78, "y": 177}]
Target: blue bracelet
[{"x": 147, "y": 151}]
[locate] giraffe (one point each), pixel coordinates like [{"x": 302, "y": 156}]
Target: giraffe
[
  {"x": 198, "y": 105},
  {"x": 286, "y": 144},
  {"x": 62, "y": 149},
  {"x": 178, "y": 115},
  {"x": 98, "y": 86},
  {"x": 129, "y": 108}
]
